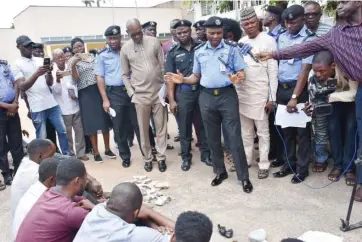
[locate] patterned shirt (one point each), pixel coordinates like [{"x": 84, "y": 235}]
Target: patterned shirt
[
  {"x": 343, "y": 41},
  {"x": 85, "y": 69},
  {"x": 7, "y": 92}
]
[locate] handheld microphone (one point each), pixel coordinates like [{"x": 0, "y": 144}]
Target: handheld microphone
[{"x": 241, "y": 45}]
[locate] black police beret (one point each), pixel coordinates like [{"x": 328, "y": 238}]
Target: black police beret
[
  {"x": 199, "y": 24},
  {"x": 149, "y": 24},
  {"x": 213, "y": 22},
  {"x": 184, "y": 23},
  {"x": 38, "y": 46},
  {"x": 112, "y": 30},
  {"x": 293, "y": 12},
  {"x": 275, "y": 10}
]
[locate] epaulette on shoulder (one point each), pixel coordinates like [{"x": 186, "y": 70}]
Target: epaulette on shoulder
[
  {"x": 172, "y": 48},
  {"x": 200, "y": 45},
  {"x": 102, "y": 50},
  {"x": 230, "y": 42},
  {"x": 3, "y": 62},
  {"x": 309, "y": 32}
]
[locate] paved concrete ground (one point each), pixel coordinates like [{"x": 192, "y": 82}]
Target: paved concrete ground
[{"x": 281, "y": 208}]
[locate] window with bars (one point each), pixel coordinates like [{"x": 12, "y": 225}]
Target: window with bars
[{"x": 206, "y": 8}]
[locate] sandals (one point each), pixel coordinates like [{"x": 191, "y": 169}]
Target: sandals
[
  {"x": 263, "y": 173},
  {"x": 320, "y": 167},
  {"x": 2, "y": 186},
  {"x": 350, "y": 179},
  {"x": 227, "y": 233},
  {"x": 334, "y": 175}
]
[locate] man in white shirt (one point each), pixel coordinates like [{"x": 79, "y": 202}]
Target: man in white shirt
[
  {"x": 257, "y": 92},
  {"x": 47, "y": 174},
  {"x": 27, "y": 174},
  {"x": 65, "y": 93},
  {"x": 35, "y": 80},
  {"x": 115, "y": 220}
]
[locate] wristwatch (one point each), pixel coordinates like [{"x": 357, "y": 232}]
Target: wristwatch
[{"x": 294, "y": 96}]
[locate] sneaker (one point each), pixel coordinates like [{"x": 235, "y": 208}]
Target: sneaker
[
  {"x": 98, "y": 159},
  {"x": 110, "y": 154},
  {"x": 83, "y": 158}
]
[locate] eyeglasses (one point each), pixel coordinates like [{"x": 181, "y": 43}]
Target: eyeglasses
[{"x": 313, "y": 15}]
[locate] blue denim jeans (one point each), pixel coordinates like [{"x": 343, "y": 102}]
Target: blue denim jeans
[
  {"x": 54, "y": 115},
  {"x": 342, "y": 129}
]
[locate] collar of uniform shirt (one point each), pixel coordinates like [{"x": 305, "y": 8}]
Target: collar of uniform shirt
[
  {"x": 275, "y": 31},
  {"x": 193, "y": 44},
  {"x": 302, "y": 33},
  {"x": 221, "y": 45}
]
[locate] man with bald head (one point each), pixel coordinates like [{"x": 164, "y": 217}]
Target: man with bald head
[
  {"x": 143, "y": 57},
  {"x": 116, "y": 219}
]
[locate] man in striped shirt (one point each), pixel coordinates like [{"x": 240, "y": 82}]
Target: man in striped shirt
[
  {"x": 312, "y": 16},
  {"x": 344, "y": 42}
]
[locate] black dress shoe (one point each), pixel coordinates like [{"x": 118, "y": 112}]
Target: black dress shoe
[
  {"x": 162, "y": 165},
  {"x": 126, "y": 163},
  {"x": 186, "y": 165},
  {"x": 219, "y": 179},
  {"x": 247, "y": 186},
  {"x": 284, "y": 171},
  {"x": 148, "y": 166},
  {"x": 298, "y": 178},
  {"x": 8, "y": 178},
  {"x": 207, "y": 161},
  {"x": 276, "y": 163}
]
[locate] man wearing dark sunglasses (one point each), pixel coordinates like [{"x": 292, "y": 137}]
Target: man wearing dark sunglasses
[{"x": 312, "y": 16}]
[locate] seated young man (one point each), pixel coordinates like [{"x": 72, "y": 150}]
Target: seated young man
[
  {"x": 192, "y": 227},
  {"x": 47, "y": 176},
  {"x": 59, "y": 213},
  {"x": 115, "y": 220}
]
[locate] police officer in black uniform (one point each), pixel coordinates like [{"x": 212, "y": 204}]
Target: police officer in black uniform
[
  {"x": 184, "y": 100},
  {"x": 218, "y": 66},
  {"x": 200, "y": 30}
]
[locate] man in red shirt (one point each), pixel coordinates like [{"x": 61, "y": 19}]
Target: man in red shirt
[{"x": 59, "y": 213}]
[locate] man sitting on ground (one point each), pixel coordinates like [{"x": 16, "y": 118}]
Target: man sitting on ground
[
  {"x": 192, "y": 226},
  {"x": 59, "y": 213},
  {"x": 115, "y": 220},
  {"x": 27, "y": 174},
  {"x": 47, "y": 174}
]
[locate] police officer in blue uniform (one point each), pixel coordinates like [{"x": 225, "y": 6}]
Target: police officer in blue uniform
[
  {"x": 114, "y": 94},
  {"x": 218, "y": 66},
  {"x": 184, "y": 100},
  {"x": 292, "y": 89},
  {"x": 10, "y": 128}
]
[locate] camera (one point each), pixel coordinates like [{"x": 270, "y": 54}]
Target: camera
[{"x": 319, "y": 94}]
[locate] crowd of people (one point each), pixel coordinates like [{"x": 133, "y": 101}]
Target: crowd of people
[{"x": 226, "y": 82}]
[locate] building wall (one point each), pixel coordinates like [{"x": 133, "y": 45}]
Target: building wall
[{"x": 38, "y": 22}]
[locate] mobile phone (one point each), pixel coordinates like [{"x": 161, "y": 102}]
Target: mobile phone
[{"x": 46, "y": 61}]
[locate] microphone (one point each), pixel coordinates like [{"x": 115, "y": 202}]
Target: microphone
[{"x": 247, "y": 48}]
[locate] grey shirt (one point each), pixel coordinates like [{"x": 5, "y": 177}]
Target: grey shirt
[{"x": 103, "y": 226}]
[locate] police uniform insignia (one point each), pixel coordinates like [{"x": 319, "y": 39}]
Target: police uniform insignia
[
  {"x": 198, "y": 25},
  {"x": 290, "y": 16},
  {"x": 152, "y": 24},
  {"x": 216, "y": 92},
  {"x": 230, "y": 42},
  {"x": 102, "y": 50},
  {"x": 217, "y": 22},
  {"x": 182, "y": 22},
  {"x": 114, "y": 31},
  {"x": 200, "y": 45}
]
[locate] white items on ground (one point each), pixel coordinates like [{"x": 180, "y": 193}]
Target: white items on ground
[
  {"x": 316, "y": 236},
  {"x": 152, "y": 191},
  {"x": 258, "y": 235}
]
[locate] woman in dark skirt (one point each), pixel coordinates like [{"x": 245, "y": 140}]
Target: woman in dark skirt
[{"x": 94, "y": 118}]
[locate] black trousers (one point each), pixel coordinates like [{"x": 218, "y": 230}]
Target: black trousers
[
  {"x": 276, "y": 143},
  {"x": 222, "y": 106},
  {"x": 125, "y": 119},
  {"x": 51, "y": 134},
  {"x": 188, "y": 104},
  {"x": 10, "y": 140},
  {"x": 299, "y": 159}
]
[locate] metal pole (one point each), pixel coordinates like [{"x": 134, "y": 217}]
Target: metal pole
[
  {"x": 136, "y": 8},
  {"x": 113, "y": 10}
]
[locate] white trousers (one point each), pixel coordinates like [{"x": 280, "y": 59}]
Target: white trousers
[{"x": 248, "y": 135}]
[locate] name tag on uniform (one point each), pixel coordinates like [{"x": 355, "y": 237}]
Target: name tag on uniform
[
  {"x": 180, "y": 55},
  {"x": 291, "y": 61},
  {"x": 222, "y": 68}
]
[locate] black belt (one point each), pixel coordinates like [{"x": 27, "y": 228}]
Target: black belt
[
  {"x": 109, "y": 88},
  {"x": 287, "y": 85},
  {"x": 216, "y": 91}
]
